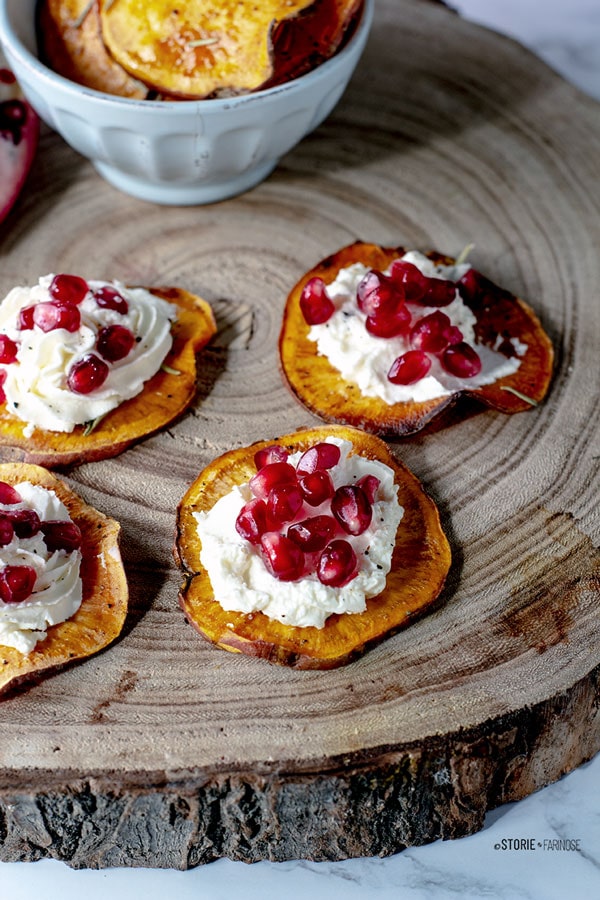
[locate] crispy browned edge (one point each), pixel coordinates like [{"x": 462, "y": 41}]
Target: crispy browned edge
[
  {"x": 101, "y": 616},
  {"x": 322, "y": 390},
  {"x": 164, "y": 397},
  {"x": 420, "y": 564}
]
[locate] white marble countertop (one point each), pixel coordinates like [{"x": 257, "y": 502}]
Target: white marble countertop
[{"x": 566, "y": 814}]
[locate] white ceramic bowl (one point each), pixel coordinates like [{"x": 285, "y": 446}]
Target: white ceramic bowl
[{"x": 183, "y": 152}]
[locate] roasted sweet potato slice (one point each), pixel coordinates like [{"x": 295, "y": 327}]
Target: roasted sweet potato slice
[
  {"x": 420, "y": 562},
  {"x": 164, "y": 397},
  {"x": 101, "y": 616},
  {"x": 202, "y": 48},
  {"x": 321, "y": 388},
  {"x": 70, "y": 43}
]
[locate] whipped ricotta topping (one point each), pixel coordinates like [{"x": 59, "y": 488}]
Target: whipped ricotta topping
[
  {"x": 35, "y": 387},
  {"x": 365, "y": 359},
  {"x": 241, "y": 581},
  {"x": 57, "y": 591}
]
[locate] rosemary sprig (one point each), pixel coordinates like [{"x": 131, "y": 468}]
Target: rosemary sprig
[
  {"x": 83, "y": 15},
  {"x": 89, "y": 426},
  {"x": 462, "y": 256},
  {"x": 524, "y": 397},
  {"x": 170, "y": 370},
  {"x": 203, "y": 42}
]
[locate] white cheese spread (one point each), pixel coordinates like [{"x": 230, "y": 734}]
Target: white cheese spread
[
  {"x": 241, "y": 582},
  {"x": 57, "y": 592},
  {"x": 35, "y": 386},
  {"x": 365, "y": 359}
]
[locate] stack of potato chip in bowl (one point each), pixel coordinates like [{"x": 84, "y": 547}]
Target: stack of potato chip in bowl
[{"x": 184, "y": 102}]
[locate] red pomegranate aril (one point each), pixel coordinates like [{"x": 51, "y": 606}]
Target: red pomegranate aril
[
  {"x": 274, "y": 453},
  {"x": 8, "y": 494},
  {"x": 6, "y": 76},
  {"x": 389, "y": 323},
  {"x": 315, "y": 305},
  {"x": 272, "y": 475},
  {"x": 284, "y": 503},
  {"x": 26, "y": 318},
  {"x": 462, "y": 360},
  {"x": 6, "y": 531},
  {"x": 3, "y": 374},
  {"x": 109, "y": 298},
  {"x": 370, "y": 485},
  {"x": 320, "y": 456},
  {"x": 115, "y": 342},
  {"x": 376, "y": 294},
  {"x": 61, "y": 535},
  {"x": 409, "y": 368},
  {"x": 253, "y": 521},
  {"x": 52, "y": 314},
  {"x": 440, "y": 292},
  {"x": 314, "y": 533},
  {"x": 8, "y": 350},
  {"x": 410, "y": 279},
  {"x": 474, "y": 287},
  {"x": 283, "y": 558},
  {"x": 87, "y": 374},
  {"x": 430, "y": 333},
  {"x": 337, "y": 564},
  {"x": 454, "y": 335},
  {"x": 352, "y": 509},
  {"x": 316, "y": 487},
  {"x": 68, "y": 288},
  {"x": 25, "y": 522},
  {"x": 16, "y": 583}
]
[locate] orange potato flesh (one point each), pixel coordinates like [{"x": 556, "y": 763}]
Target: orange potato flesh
[
  {"x": 101, "y": 616},
  {"x": 321, "y": 388},
  {"x": 420, "y": 563},
  {"x": 164, "y": 397}
]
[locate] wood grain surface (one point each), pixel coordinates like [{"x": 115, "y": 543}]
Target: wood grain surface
[{"x": 163, "y": 750}]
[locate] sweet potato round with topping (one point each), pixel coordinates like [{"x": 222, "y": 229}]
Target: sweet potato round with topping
[
  {"x": 420, "y": 563},
  {"x": 322, "y": 389},
  {"x": 164, "y": 397},
  {"x": 100, "y": 618}
]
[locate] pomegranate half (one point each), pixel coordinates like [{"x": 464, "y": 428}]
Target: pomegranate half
[
  {"x": 322, "y": 389},
  {"x": 19, "y": 129},
  {"x": 420, "y": 563}
]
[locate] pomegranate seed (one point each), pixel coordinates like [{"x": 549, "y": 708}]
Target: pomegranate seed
[
  {"x": 369, "y": 484},
  {"x": 25, "y": 522},
  {"x": 7, "y": 77},
  {"x": 320, "y": 456},
  {"x": 315, "y": 305},
  {"x": 109, "y": 298},
  {"x": 410, "y": 279},
  {"x": 16, "y": 583},
  {"x": 317, "y": 487},
  {"x": 283, "y": 558},
  {"x": 26, "y": 318},
  {"x": 274, "y": 453},
  {"x": 430, "y": 333},
  {"x": 13, "y": 112},
  {"x": 61, "y": 535},
  {"x": 284, "y": 503},
  {"x": 377, "y": 294},
  {"x": 8, "y": 350},
  {"x": 87, "y": 374},
  {"x": 2, "y": 380},
  {"x": 54, "y": 314},
  {"x": 68, "y": 288},
  {"x": 115, "y": 342},
  {"x": 8, "y": 494},
  {"x": 352, "y": 509},
  {"x": 272, "y": 475},
  {"x": 473, "y": 287},
  {"x": 253, "y": 521},
  {"x": 462, "y": 360},
  {"x": 454, "y": 335},
  {"x": 390, "y": 323},
  {"x": 440, "y": 292},
  {"x": 337, "y": 564},
  {"x": 409, "y": 368},
  {"x": 314, "y": 533},
  {"x": 6, "y": 531}
]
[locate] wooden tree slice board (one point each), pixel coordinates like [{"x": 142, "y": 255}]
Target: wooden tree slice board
[{"x": 166, "y": 751}]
